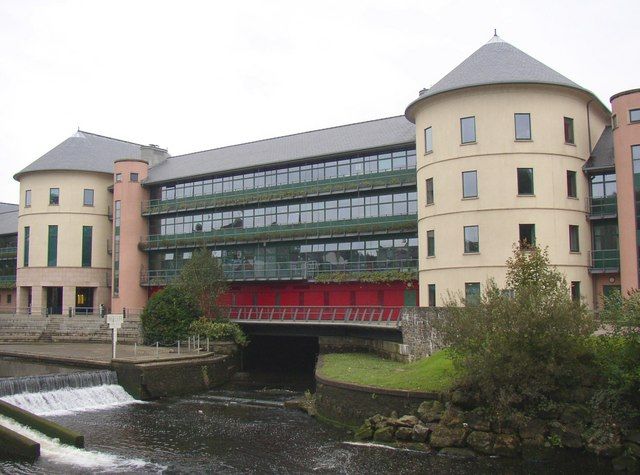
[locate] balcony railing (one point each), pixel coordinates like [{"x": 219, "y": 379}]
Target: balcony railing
[
  {"x": 601, "y": 208},
  {"x": 299, "y": 270},
  {"x": 383, "y": 180},
  {"x": 7, "y": 281},
  {"x": 8, "y": 252},
  {"x": 356, "y": 316},
  {"x": 368, "y": 226},
  {"x": 605, "y": 261}
]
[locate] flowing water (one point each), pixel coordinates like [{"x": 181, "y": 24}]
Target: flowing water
[{"x": 241, "y": 429}]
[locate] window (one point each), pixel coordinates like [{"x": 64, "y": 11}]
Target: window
[
  {"x": 614, "y": 121},
  {"x": 568, "y": 131},
  {"x": 575, "y": 291},
  {"x": 118, "y": 177},
  {"x": 635, "y": 156},
  {"x": 431, "y": 243},
  {"x": 54, "y": 196},
  {"x": 52, "y": 246},
  {"x": 87, "y": 199},
  {"x": 634, "y": 115},
  {"x": 574, "y": 238},
  {"x": 133, "y": 177},
  {"x": 27, "y": 232},
  {"x": 525, "y": 181},
  {"x": 527, "y": 236},
  {"x": 8, "y": 298},
  {"x": 428, "y": 140},
  {"x": 468, "y": 129},
  {"x": 471, "y": 239},
  {"x": 431, "y": 290},
  {"x": 429, "y": 191},
  {"x": 472, "y": 292},
  {"x": 523, "y": 126},
  {"x": 470, "y": 184},
  {"x": 27, "y": 198},
  {"x": 87, "y": 238},
  {"x": 572, "y": 184}
]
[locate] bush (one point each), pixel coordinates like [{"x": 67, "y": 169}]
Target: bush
[
  {"x": 218, "y": 330},
  {"x": 524, "y": 347},
  {"x": 168, "y": 315}
]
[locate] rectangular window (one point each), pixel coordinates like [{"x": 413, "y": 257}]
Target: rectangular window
[
  {"x": 614, "y": 121},
  {"x": 54, "y": 196},
  {"x": 87, "y": 199},
  {"x": 27, "y": 198},
  {"x": 574, "y": 238},
  {"x": 431, "y": 290},
  {"x": 468, "y": 129},
  {"x": 575, "y": 291},
  {"x": 525, "y": 181},
  {"x": 133, "y": 177},
  {"x": 87, "y": 238},
  {"x": 572, "y": 184},
  {"x": 568, "y": 130},
  {"x": 470, "y": 184},
  {"x": 431, "y": 243},
  {"x": 118, "y": 177},
  {"x": 472, "y": 292},
  {"x": 635, "y": 156},
  {"x": 471, "y": 239},
  {"x": 52, "y": 246},
  {"x": 523, "y": 126},
  {"x": 527, "y": 235},
  {"x": 634, "y": 115},
  {"x": 428, "y": 140},
  {"x": 27, "y": 232},
  {"x": 429, "y": 191}
]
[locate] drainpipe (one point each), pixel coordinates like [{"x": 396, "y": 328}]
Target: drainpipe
[{"x": 589, "y": 126}]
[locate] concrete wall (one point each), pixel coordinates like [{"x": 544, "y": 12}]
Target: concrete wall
[
  {"x": 496, "y": 155},
  {"x": 624, "y": 136},
  {"x": 344, "y": 344}
]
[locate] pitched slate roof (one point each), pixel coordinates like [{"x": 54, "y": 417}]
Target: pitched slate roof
[
  {"x": 602, "y": 157},
  {"x": 84, "y": 151},
  {"x": 496, "y": 62},
  {"x": 317, "y": 143},
  {"x": 8, "y": 218}
]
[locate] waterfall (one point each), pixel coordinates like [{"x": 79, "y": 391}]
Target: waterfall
[{"x": 58, "y": 394}]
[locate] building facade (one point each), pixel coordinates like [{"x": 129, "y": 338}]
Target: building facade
[{"x": 502, "y": 152}]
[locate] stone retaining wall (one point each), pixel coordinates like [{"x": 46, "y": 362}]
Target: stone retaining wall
[
  {"x": 386, "y": 349},
  {"x": 418, "y": 332}
]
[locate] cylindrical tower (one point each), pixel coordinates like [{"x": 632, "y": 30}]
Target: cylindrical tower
[
  {"x": 501, "y": 142},
  {"x": 626, "y": 143},
  {"x": 128, "y": 226}
]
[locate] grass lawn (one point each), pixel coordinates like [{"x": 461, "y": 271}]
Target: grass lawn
[{"x": 434, "y": 373}]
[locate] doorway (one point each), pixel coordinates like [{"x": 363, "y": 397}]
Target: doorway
[{"x": 54, "y": 300}]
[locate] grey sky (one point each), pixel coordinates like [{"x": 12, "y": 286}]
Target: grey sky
[{"x": 194, "y": 75}]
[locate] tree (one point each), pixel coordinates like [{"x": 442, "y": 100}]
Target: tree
[
  {"x": 203, "y": 279},
  {"x": 525, "y": 346},
  {"x": 168, "y": 316}
]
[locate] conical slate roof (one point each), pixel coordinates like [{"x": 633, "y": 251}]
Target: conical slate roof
[
  {"x": 84, "y": 151},
  {"x": 497, "y": 62}
]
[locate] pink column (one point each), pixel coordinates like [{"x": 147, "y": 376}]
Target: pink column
[
  {"x": 624, "y": 136},
  {"x": 129, "y": 192}
]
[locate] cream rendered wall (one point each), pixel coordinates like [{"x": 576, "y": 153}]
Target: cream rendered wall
[
  {"x": 70, "y": 216},
  {"x": 499, "y": 210}
]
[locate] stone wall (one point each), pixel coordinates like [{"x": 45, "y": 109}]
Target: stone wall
[
  {"x": 418, "y": 333},
  {"x": 386, "y": 349}
]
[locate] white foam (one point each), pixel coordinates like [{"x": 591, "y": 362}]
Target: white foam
[
  {"x": 383, "y": 446},
  {"x": 53, "y": 451},
  {"x": 71, "y": 400}
]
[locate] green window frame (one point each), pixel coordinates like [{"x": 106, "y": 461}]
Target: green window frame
[
  {"x": 430, "y": 191},
  {"x": 87, "y": 242},
  {"x": 54, "y": 196},
  {"x": 569, "y": 136},
  {"x": 431, "y": 243},
  {"x": 472, "y": 292},
  {"x": 574, "y": 238},
  {"x": 52, "y": 246},
  {"x": 572, "y": 184},
  {"x": 525, "y": 182},
  {"x": 27, "y": 234},
  {"x": 431, "y": 290}
]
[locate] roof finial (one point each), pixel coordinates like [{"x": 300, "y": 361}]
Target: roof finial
[{"x": 495, "y": 32}]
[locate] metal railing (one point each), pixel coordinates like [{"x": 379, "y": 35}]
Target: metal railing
[
  {"x": 296, "y": 270},
  {"x": 372, "y": 316},
  {"x": 7, "y": 279},
  {"x": 599, "y": 208},
  {"x": 388, "y": 179},
  {"x": 8, "y": 252},
  {"x": 365, "y": 226},
  {"x": 604, "y": 261}
]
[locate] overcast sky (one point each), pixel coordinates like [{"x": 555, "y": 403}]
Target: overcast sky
[{"x": 194, "y": 75}]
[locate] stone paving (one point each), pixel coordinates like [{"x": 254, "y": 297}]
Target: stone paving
[{"x": 98, "y": 354}]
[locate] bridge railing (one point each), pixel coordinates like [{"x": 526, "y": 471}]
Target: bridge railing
[{"x": 376, "y": 316}]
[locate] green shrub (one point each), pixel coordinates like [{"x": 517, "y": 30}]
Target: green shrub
[
  {"x": 525, "y": 347},
  {"x": 168, "y": 315},
  {"x": 218, "y": 330}
]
